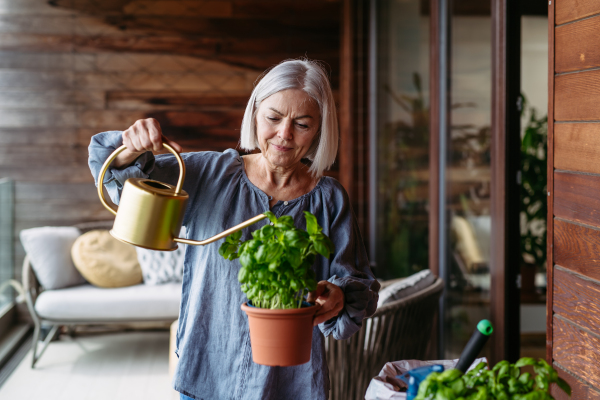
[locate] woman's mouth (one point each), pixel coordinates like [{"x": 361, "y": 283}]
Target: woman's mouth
[{"x": 280, "y": 148}]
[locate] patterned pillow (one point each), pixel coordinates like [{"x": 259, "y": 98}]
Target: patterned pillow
[{"x": 160, "y": 267}]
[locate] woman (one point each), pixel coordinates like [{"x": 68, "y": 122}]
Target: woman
[{"x": 290, "y": 117}]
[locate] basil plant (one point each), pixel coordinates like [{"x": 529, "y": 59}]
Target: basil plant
[
  {"x": 277, "y": 262},
  {"x": 505, "y": 381}
]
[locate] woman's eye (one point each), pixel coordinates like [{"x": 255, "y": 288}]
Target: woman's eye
[
  {"x": 303, "y": 126},
  {"x": 273, "y": 119}
]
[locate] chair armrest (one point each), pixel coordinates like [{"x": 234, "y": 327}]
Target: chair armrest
[{"x": 32, "y": 288}]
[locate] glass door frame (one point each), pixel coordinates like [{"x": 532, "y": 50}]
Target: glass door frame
[
  {"x": 505, "y": 161},
  {"x": 356, "y": 94}
]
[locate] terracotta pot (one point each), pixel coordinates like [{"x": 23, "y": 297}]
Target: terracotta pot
[{"x": 280, "y": 338}]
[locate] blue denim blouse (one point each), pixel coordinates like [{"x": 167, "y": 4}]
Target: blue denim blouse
[{"x": 213, "y": 344}]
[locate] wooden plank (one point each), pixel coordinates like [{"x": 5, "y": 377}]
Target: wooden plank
[
  {"x": 576, "y": 96},
  {"x": 237, "y": 9},
  {"x": 223, "y": 119},
  {"x": 50, "y": 155},
  {"x": 575, "y": 298},
  {"x": 576, "y": 147},
  {"x": 52, "y": 99},
  {"x": 27, "y": 80},
  {"x": 42, "y": 61},
  {"x": 195, "y": 8},
  {"x": 170, "y": 81},
  {"x": 44, "y": 24},
  {"x": 191, "y": 138},
  {"x": 163, "y": 100},
  {"x": 11, "y": 118},
  {"x": 113, "y": 119},
  {"x": 579, "y": 389},
  {"x": 327, "y": 26},
  {"x": 550, "y": 180},
  {"x": 576, "y": 248},
  {"x": 60, "y": 211},
  {"x": 157, "y": 63},
  {"x": 577, "y": 351},
  {"x": 576, "y": 45},
  {"x": 258, "y": 9},
  {"x": 44, "y": 173},
  {"x": 571, "y": 10},
  {"x": 26, "y": 192},
  {"x": 255, "y": 53},
  {"x": 30, "y": 7},
  {"x": 202, "y": 46},
  {"x": 577, "y": 197},
  {"x": 39, "y": 136}
]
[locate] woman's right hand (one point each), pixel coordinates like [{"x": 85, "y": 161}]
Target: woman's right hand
[{"x": 144, "y": 135}]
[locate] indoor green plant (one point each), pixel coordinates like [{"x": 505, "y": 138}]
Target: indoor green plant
[
  {"x": 276, "y": 273},
  {"x": 504, "y": 381},
  {"x": 534, "y": 197}
]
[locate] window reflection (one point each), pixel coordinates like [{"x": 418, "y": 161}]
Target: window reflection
[{"x": 403, "y": 138}]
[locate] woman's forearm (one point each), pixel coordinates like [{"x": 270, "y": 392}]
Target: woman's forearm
[{"x": 126, "y": 158}]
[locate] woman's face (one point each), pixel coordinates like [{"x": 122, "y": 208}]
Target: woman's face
[{"x": 286, "y": 125}]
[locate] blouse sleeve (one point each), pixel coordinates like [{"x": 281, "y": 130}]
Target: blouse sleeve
[
  {"x": 349, "y": 269},
  {"x": 101, "y": 147},
  {"x": 163, "y": 168}
]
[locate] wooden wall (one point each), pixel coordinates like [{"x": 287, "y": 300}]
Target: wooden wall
[
  {"x": 574, "y": 188},
  {"x": 73, "y": 68}
]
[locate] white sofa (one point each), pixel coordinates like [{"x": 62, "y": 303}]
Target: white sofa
[{"x": 86, "y": 304}]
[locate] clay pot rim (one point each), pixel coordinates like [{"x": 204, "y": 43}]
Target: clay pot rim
[{"x": 279, "y": 312}]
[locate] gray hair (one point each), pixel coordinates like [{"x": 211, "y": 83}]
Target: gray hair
[{"x": 310, "y": 77}]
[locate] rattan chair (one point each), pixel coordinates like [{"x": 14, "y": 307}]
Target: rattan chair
[{"x": 399, "y": 330}]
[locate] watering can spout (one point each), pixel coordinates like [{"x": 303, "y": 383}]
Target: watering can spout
[{"x": 150, "y": 213}]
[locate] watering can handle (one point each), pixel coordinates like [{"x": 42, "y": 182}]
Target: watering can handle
[{"x": 114, "y": 155}]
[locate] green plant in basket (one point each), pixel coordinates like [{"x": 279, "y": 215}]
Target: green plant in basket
[
  {"x": 277, "y": 262},
  {"x": 504, "y": 381}
]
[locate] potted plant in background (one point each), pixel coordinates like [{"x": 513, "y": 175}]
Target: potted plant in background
[
  {"x": 534, "y": 197},
  {"x": 276, "y": 274}
]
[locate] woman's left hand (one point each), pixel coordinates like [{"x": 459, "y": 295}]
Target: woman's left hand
[{"x": 331, "y": 299}]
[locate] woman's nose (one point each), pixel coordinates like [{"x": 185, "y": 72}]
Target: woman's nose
[{"x": 285, "y": 132}]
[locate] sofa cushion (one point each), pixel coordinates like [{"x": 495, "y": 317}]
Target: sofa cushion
[
  {"x": 406, "y": 287},
  {"x": 160, "y": 267},
  {"x": 91, "y": 303},
  {"x": 105, "y": 261},
  {"x": 49, "y": 250}
]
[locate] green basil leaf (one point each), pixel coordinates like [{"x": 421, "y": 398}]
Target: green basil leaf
[
  {"x": 294, "y": 257},
  {"x": 273, "y": 266},
  {"x": 312, "y": 227},
  {"x": 274, "y": 251},
  {"x": 271, "y": 216},
  {"x": 525, "y": 361},
  {"x": 261, "y": 254},
  {"x": 267, "y": 232},
  {"x": 246, "y": 260},
  {"x": 564, "y": 386},
  {"x": 236, "y": 235},
  {"x": 223, "y": 249},
  {"x": 322, "y": 248}
]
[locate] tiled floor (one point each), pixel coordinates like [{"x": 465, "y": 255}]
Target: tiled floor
[{"x": 115, "y": 366}]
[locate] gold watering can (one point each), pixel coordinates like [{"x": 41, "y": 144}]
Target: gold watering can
[{"x": 150, "y": 213}]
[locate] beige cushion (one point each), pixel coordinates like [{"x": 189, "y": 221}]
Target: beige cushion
[{"x": 106, "y": 262}]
